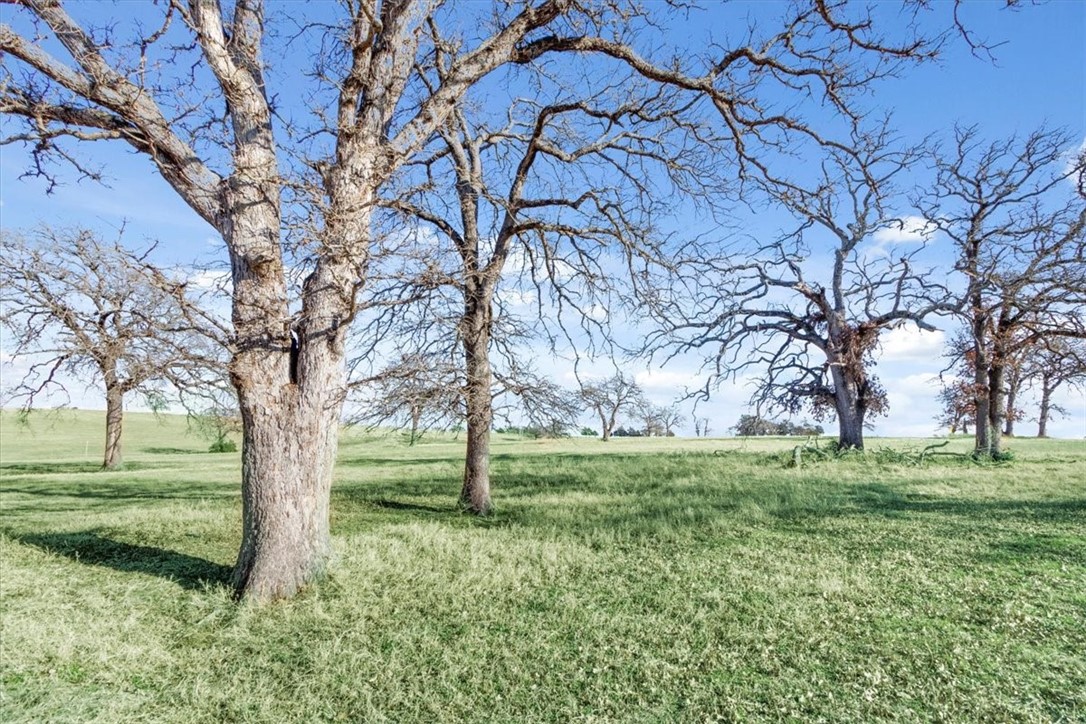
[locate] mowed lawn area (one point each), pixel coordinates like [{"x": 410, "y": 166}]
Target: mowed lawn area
[{"x": 636, "y": 580}]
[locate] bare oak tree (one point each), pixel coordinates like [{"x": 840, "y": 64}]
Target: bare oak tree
[
  {"x": 804, "y": 313},
  {"x": 563, "y": 189},
  {"x": 610, "y": 397},
  {"x": 419, "y": 392},
  {"x": 1051, "y": 364},
  {"x": 74, "y": 304},
  {"x": 1016, "y": 213},
  {"x": 191, "y": 90}
]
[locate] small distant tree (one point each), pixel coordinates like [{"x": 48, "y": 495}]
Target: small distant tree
[
  {"x": 754, "y": 426},
  {"x": 551, "y": 409},
  {"x": 610, "y": 397},
  {"x": 957, "y": 396},
  {"x": 77, "y": 307},
  {"x": 589, "y": 432},
  {"x": 1051, "y": 365},
  {"x": 958, "y": 405},
  {"x": 219, "y": 422},
  {"x": 417, "y": 391},
  {"x": 701, "y": 426},
  {"x": 669, "y": 418},
  {"x": 803, "y": 428}
]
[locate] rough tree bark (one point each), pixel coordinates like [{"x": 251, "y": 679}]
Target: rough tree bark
[
  {"x": 997, "y": 409},
  {"x": 1014, "y": 383},
  {"x": 982, "y": 434},
  {"x": 476, "y": 326},
  {"x": 114, "y": 420},
  {"x": 848, "y": 404}
]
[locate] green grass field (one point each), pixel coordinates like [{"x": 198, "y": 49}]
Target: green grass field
[{"x": 637, "y": 580}]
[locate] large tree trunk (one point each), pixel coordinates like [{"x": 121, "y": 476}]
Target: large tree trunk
[
  {"x": 849, "y": 408},
  {"x": 114, "y": 420},
  {"x": 475, "y": 493},
  {"x": 289, "y": 375},
  {"x": 291, "y": 396},
  {"x": 1046, "y": 406}
]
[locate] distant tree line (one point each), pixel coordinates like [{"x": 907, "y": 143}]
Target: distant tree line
[{"x": 757, "y": 426}]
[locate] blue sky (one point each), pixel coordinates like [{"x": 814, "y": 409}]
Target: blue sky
[{"x": 1038, "y": 76}]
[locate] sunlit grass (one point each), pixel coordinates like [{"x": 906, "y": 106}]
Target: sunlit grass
[{"x": 637, "y": 580}]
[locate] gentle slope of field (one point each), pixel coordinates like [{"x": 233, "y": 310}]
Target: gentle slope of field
[{"x": 637, "y": 580}]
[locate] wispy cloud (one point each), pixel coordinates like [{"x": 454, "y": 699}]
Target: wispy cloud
[{"x": 908, "y": 230}]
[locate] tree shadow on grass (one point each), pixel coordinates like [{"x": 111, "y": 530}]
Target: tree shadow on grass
[
  {"x": 173, "y": 451},
  {"x": 89, "y": 547},
  {"x": 122, "y": 490},
  {"x": 47, "y": 468},
  {"x": 412, "y": 507},
  {"x": 885, "y": 500},
  {"x": 664, "y": 501}
]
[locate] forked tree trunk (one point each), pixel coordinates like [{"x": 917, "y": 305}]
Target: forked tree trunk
[
  {"x": 289, "y": 375},
  {"x": 114, "y": 420},
  {"x": 475, "y": 493},
  {"x": 291, "y": 433}
]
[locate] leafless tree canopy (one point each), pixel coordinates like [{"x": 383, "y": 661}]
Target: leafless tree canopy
[
  {"x": 612, "y": 397},
  {"x": 1016, "y": 213},
  {"x": 77, "y": 307},
  {"x": 804, "y": 311},
  {"x": 1049, "y": 365},
  {"x": 416, "y": 391}
]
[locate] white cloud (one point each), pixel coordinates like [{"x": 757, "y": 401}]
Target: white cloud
[
  {"x": 914, "y": 230},
  {"x": 210, "y": 279},
  {"x": 907, "y": 230},
  {"x": 911, "y": 344},
  {"x": 923, "y": 384},
  {"x": 597, "y": 312}
]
